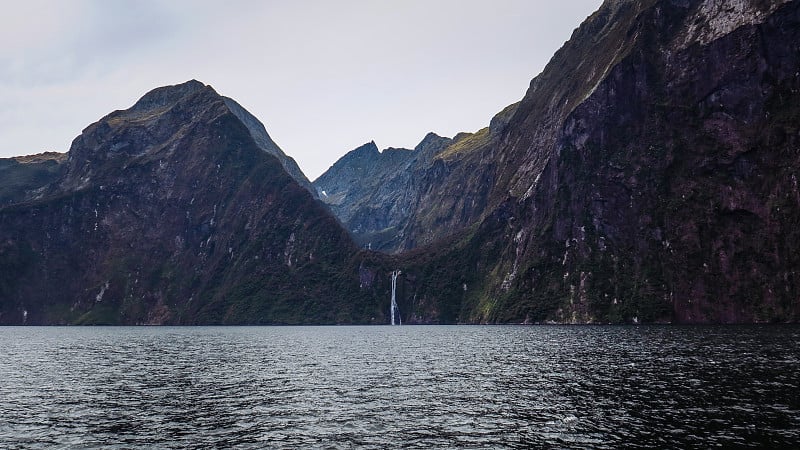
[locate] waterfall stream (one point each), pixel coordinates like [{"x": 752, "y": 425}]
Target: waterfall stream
[{"x": 394, "y": 311}]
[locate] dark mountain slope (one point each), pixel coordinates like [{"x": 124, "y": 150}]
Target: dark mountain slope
[
  {"x": 25, "y": 177},
  {"x": 668, "y": 192},
  {"x": 652, "y": 172},
  {"x": 171, "y": 212}
]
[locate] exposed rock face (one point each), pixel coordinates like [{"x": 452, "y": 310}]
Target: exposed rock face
[
  {"x": 374, "y": 193},
  {"x": 667, "y": 193},
  {"x": 400, "y": 199},
  {"x": 172, "y": 212},
  {"x": 652, "y": 171},
  {"x": 26, "y": 177}
]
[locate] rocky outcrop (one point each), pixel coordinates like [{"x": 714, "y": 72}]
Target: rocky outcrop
[
  {"x": 172, "y": 212},
  {"x": 26, "y": 177}
]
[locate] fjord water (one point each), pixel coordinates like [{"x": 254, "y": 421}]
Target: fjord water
[{"x": 409, "y": 386}]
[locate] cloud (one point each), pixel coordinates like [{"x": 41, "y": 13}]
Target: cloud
[{"x": 47, "y": 42}]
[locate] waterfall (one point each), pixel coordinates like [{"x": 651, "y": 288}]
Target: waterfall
[{"x": 394, "y": 312}]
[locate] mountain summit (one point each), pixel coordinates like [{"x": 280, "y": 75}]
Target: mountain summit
[{"x": 159, "y": 118}]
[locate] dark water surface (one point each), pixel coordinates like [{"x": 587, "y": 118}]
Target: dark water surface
[{"x": 433, "y": 386}]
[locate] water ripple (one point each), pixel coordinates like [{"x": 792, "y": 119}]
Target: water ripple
[{"x": 414, "y": 387}]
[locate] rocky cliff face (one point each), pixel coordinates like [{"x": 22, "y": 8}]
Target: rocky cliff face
[
  {"x": 374, "y": 193},
  {"x": 172, "y": 212},
  {"x": 666, "y": 194},
  {"x": 400, "y": 199},
  {"x": 649, "y": 174},
  {"x": 367, "y": 190}
]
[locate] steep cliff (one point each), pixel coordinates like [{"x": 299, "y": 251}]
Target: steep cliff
[
  {"x": 649, "y": 174},
  {"x": 668, "y": 194},
  {"x": 172, "y": 212}
]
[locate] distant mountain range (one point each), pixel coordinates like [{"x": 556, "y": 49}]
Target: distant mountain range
[{"x": 649, "y": 174}]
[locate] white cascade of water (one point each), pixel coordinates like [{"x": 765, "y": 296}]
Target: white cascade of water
[{"x": 394, "y": 311}]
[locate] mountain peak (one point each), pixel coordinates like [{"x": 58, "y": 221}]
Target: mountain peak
[
  {"x": 169, "y": 95},
  {"x": 177, "y": 184},
  {"x": 431, "y": 145},
  {"x": 367, "y": 151},
  {"x": 161, "y": 116},
  {"x": 369, "y": 147}
]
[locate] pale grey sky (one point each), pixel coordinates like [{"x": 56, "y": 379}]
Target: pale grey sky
[{"x": 323, "y": 76}]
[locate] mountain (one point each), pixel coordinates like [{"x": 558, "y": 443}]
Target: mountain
[
  {"x": 649, "y": 174},
  {"x": 666, "y": 192},
  {"x": 374, "y": 193},
  {"x": 364, "y": 189},
  {"x": 400, "y": 199},
  {"x": 177, "y": 210}
]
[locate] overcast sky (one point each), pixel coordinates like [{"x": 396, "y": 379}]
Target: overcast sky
[{"x": 323, "y": 76}]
